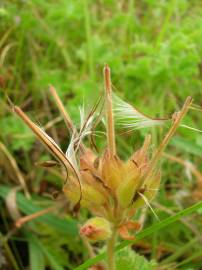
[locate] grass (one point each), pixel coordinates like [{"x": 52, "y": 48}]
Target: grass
[
  {"x": 147, "y": 232},
  {"x": 154, "y": 51}
]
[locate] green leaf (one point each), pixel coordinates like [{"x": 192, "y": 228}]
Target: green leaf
[
  {"x": 127, "y": 259},
  {"x": 66, "y": 226},
  {"x": 188, "y": 146},
  {"x": 35, "y": 254},
  {"x": 13, "y": 129},
  {"x": 52, "y": 260},
  {"x": 154, "y": 228}
]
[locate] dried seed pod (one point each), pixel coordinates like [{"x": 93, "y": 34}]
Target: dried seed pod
[
  {"x": 113, "y": 171},
  {"x": 127, "y": 189}
]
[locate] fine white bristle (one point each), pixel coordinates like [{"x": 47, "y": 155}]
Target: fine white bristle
[
  {"x": 149, "y": 205},
  {"x": 129, "y": 117},
  {"x": 191, "y": 128},
  {"x": 77, "y": 137}
]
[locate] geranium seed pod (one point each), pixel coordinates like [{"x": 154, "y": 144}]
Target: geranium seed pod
[{"x": 126, "y": 191}]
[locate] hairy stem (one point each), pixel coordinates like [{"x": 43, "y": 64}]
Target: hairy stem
[
  {"x": 111, "y": 265},
  {"x": 109, "y": 112}
]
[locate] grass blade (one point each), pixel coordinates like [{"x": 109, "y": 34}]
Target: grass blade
[
  {"x": 67, "y": 226},
  {"x": 35, "y": 253},
  {"x": 38, "y": 252},
  {"x": 187, "y": 145},
  {"x": 158, "y": 226}
]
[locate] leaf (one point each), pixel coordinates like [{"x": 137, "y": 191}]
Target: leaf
[
  {"x": 35, "y": 253},
  {"x": 154, "y": 228},
  {"x": 127, "y": 259},
  {"x": 53, "y": 262},
  {"x": 66, "y": 226},
  {"x": 13, "y": 129},
  {"x": 189, "y": 146}
]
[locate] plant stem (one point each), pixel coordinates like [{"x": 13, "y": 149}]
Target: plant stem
[
  {"x": 89, "y": 39},
  {"x": 168, "y": 136},
  {"x": 111, "y": 265},
  {"x": 171, "y": 9},
  {"x": 109, "y": 112}
]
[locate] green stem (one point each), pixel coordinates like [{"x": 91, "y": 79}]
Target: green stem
[
  {"x": 171, "y": 9},
  {"x": 111, "y": 265},
  {"x": 90, "y": 51},
  {"x": 9, "y": 252}
]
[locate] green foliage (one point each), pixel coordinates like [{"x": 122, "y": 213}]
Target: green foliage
[
  {"x": 36, "y": 255},
  {"x": 154, "y": 50},
  {"x": 66, "y": 226},
  {"x": 188, "y": 146},
  {"x": 128, "y": 259},
  {"x": 144, "y": 233},
  {"x": 47, "y": 234},
  {"x": 16, "y": 133}
]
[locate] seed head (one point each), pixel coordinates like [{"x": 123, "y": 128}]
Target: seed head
[{"x": 109, "y": 187}]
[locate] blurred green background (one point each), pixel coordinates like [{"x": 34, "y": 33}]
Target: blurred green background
[{"x": 154, "y": 50}]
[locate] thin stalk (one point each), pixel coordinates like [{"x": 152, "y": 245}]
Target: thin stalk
[
  {"x": 168, "y": 136},
  {"x": 90, "y": 52},
  {"x": 109, "y": 112},
  {"x": 111, "y": 264},
  {"x": 62, "y": 110},
  {"x": 171, "y": 9},
  {"x": 20, "y": 222},
  {"x": 11, "y": 256},
  {"x": 15, "y": 168},
  {"x": 128, "y": 27},
  {"x": 64, "y": 114},
  {"x": 14, "y": 258}
]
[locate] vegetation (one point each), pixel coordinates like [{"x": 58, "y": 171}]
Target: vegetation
[{"x": 154, "y": 51}]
